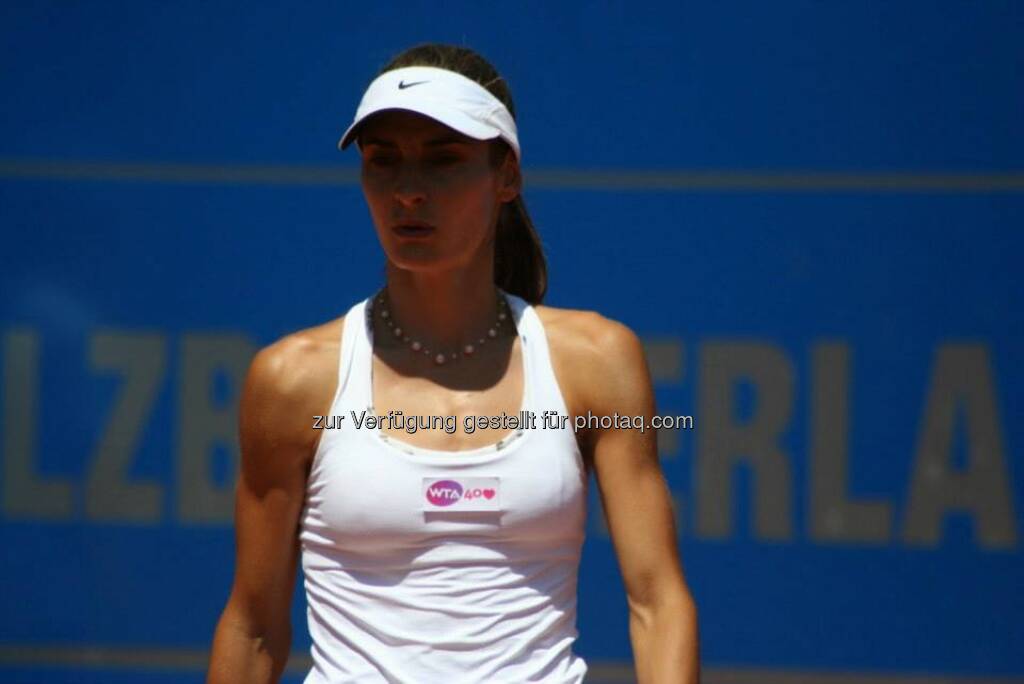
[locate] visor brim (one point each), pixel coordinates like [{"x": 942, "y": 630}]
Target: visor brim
[{"x": 452, "y": 118}]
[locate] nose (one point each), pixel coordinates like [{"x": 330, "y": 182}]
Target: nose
[{"x": 410, "y": 188}]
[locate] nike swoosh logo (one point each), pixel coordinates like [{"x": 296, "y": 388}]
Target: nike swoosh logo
[{"x": 402, "y": 85}]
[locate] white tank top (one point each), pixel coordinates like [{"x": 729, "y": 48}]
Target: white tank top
[{"x": 427, "y": 566}]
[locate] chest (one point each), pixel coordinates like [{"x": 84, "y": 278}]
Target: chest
[
  {"x": 442, "y": 410},
  {"x": 370, "y": 497}
]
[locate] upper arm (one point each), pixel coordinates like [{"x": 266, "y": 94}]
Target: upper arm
[
  {"x": 634, "y": 494},
  {"x": 275, "y": 418}
]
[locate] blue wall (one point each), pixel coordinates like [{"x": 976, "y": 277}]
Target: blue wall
[{"x": 752, "y": 187}]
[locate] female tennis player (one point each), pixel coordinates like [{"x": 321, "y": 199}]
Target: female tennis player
[{"x": 420, "y": 454}]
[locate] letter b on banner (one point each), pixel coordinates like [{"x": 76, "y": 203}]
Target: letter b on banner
[{"x": 206, "y": 424}]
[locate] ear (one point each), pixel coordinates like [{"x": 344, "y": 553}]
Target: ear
[{"x": 510, "y": 178}]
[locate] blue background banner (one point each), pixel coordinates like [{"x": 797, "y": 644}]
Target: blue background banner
[{"x": 812, "y": 214}]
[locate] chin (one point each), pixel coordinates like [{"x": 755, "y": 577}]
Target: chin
[
  {"x": 430, "y": 255},
  {"x": 413, "y": 260},
  {"x": 419, "y": 257}
]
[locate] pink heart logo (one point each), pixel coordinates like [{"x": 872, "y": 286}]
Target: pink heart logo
[{"x": 489, "y": 493}]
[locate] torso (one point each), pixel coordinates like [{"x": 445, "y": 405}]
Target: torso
[{"x": 393, "y": 574}]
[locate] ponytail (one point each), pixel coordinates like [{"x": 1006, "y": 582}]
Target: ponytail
[{"x": 519, "y": 264}]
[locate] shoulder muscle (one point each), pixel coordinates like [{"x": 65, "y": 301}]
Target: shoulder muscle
[
  {"x": 288, "y": 382},
  {"x": 600, "y": 362}
]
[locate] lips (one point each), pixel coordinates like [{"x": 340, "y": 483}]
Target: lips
[{"x": 412, "y": 229}]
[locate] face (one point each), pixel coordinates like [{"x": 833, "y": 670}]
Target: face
[{"x": 433, "y": 193}]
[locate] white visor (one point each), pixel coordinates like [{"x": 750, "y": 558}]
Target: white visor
[{"x": 445, "y": 96}]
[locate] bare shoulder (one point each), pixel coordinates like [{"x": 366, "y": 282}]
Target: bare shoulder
[
  {"x": 292, "y": 363},
  {"x": 290, "y": 381},
  {"x": 589, "y": 334},
  {"x": 599, "y": 356}
]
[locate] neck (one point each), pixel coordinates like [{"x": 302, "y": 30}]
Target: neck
[{"x": 443, "y": 311}]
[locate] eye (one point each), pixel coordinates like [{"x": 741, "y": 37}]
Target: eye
[
  {"x": 445, "y": 158},
  {"x": 380, "y": 159}
]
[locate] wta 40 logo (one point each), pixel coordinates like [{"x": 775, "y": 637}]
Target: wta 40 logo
[{"x": 448, "y": 492}]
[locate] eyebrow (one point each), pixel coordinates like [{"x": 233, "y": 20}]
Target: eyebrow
[
  {"x": 447, "y": 140},
  {"x": 433, "y": 142}
]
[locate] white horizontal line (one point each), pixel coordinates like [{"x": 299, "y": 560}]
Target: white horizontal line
[
  {"x": 182, "y": 659},
  {"x": 555, "y": 179}
]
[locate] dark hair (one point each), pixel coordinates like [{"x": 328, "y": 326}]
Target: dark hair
[{"x": 519, "y": 264}]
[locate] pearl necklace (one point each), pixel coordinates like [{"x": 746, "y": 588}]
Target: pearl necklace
[{"x": 440, "y": 358}]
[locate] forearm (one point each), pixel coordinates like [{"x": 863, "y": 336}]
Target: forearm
[
  {"x": 665, "y": 643},
  {"x": 242, "y": 655}
]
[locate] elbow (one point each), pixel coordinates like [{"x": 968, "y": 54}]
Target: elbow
[
  {"x": 248, "y": 650},
  {"x": 257, "y": 620},
  {"x": 677, "y": 607},
  {"x": 685, "y": 607}
]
